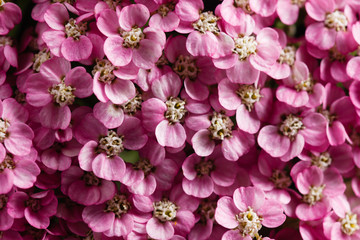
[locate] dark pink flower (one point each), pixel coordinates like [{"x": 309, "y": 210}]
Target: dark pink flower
[{"x": 10, "y": 15}]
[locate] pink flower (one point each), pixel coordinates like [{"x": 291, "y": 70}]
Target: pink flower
[
  {"x": 342, "y": 224},
  {"x": 317, "y": 188},
  {"x": 20, "y": 171},
  {"x": 172, "y": 214},
  {"x": 66, "y": 37},
  {"x": 165, "y": 113},
  {"x": 250, "y": 55},
  {"x": 218, "y": 128},
  {"x": 196, "y": 72},
  {"x": 143, "y": 47},
  {"x": 41, "y": 6},
  {"x": 10, "y": 15},
  {"x": 252, "y": 103},
  {"x": 331, "y": 23},
  {"x": 107, "y": 86},
  {"x": 270, "y": 176},
  {"x": 85, "y": 188},
  {"x": 165, "y": 17},
  {"x": 6, "y": 220},
  {"x": 37, "y": 208},
  {"x": 202, "y": 174},
  {"x": 151, "y": 172},
  {"x": 102, "y": 148},
  {"x": 55, "y": 88},
  {"x": 247, "y": 212},
  {"x": 15, "y": 135},
  {"x": 8, "y": 53},
  {"x": 114, "y": 218},
  {"x": 293, "y": 130},
  {"x": 300, "y": 89},
  {"x": 339, "y": 112}
]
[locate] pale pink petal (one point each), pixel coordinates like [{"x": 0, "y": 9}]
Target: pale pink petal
[
  {"x": 56, "y": 16},
  {"x": 111, "y": 115},
  {"x": 265, "y": 8},
  {"x": 196, "y": 90},
  {"x": 168, "y": 85},
  {"x": 317, "y": 9},
  {"x": 158, "y": 230},
  {"x": 199, "y": 44},
  {"x": 272, "y": 142},
  {"x": 76, "y": 50},
  {"x": 116, "y": 52},
  {"x": 55, "y": 117},
  {"x": 318, "y": 29},
  {"x": 200, "y": 187},
  {"x": 133, "y": 15},
  {"x": 353, "y": 68},
  {"x": 81, "y": 80},
  {"x": 243, "y": 72},
  {"x": 189, "y": 10},
  {"x": 288, "y": 12},
  {"x": 120, "y": 91},
  {"x": 170, "y": 135},
  {"x": 153, "y": 111},
  {"x": 20, "y": 138},
  {"x": 147, "y": 54},
  {"x": 108, "y": 23},
  {"x": 272, "y": 214},
  {"x": 108, "y": 168},
  {"x": 225, "y": 213},
  {"x": 247, "y": 121},
  {"x": 245, "y": 197},
  {"x": 202, "y": 143},
  {"x": 236, "y": 146}
]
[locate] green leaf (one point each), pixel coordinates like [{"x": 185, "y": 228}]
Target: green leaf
[{"x": 130, "y": 156}]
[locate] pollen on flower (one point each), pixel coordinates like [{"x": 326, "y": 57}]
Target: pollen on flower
[
  {"x": 185, "y": 67},
  {"x": 62, "y": 94},
  {"x": 164, "y": 9},
  {"x": 175, "y": 110},
  {"x": 245, "y": 46},
  {"x": 144, "y": 165},
  {"x": 133, "y": 37},
  {"x": 322, "y": 161},
  {"x": 336, "y": 20},
  {"x": 90, "y": 179},
  {"x": 133, "y": 105},
  {"x": 300, "y": 3},
  {"x": 207, "y": 23},
  {"x": 326, "y": 113},
  {"x": 306, "y": 85},
  {"x": 206, "y": 210},
  {"x": 204, "y": 167},
  {"x": 349, "y": 224},
  {"x": 112, "y": 144},
  {"x": 314, "y": 195},
  {"x": 106, "y": 69},
  {"x": 244, "y": 4},
  {"x": 75, "y": 30},
  {"x": 291, "y": 126},
  {"x": 287, "y": 55},
  {"x": 249, "y": 223},
  {"x": 8, "y": 163},
  {"x": 5, "y": 41},
  {"x": 280, "y": 179},
  {"x": 39, "y": 58},
  {"x": 165, "y": 210},
  {"x": 221, "y": 126},
  {"x": 4, "y": 125},
  {"x": 249, "y": 95},
  {"x": 2, "y": 2},
  {"x": 118, "y": 205}
]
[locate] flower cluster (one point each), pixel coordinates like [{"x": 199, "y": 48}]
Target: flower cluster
[{"x": 180, "y": 119}]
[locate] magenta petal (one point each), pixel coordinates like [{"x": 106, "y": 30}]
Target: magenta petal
[
  {"x": 109, "y": 114},
  {"x": 200, "y": 187},
  {"x": 133, "y": 15},
  {"x": 6, "y": 179},
  {"x": 121, "y": 226},
  {"x": 272, "y": 142},
  {"x": 20, "y": 138},
  {"x": 81, "y": 193},
  {"x": 199, "y": 44},
  {"x": 144, "y": 187},
  {"x": 108, "y": 168},
  {"x": 158, "y": 230},
  {"x": 202, "y": 143},
  {"x": 306, "y": 212},
  {"x": 265, "y": 8},
  {"x": 170, "y": 135},
  {"x": 295, "y": 149},
  {"x": 168, "y": 85},
  {"x": 97, "y": 219},
  {"x": 237, "y": 145},
  {"x": 53, "y": 40},
  {"x": 167, "y": 24},
  {"x": 153, "y": 111},
  {"x": 243, "y": 72},
  {"x": 247, "y": 121},
  {"x": 134, "y": 135},
  {"x": 196, "y": 90},
  {"x": 245, "y": 197},
  {"x": 81, "y": 80},
  {"x": 327, "y": 39},
  {"x": 116, "y": 53},
  {"x": 76, "y": 50},
  {"x": 55, "y": 69},
  {"x": 56, "y": 16},
  {"x": 225, "y": 212},
  {"x": 55, "y": 117},
  {"x": 272, "y": 214},
  {"x": 336, "y": 133},
  {"x": 189, "y": 10},
  {"x": 108, "y": 23},
  {"x": 292, "y": 97},
  {"x": 147, "y": 54},
  {"x": 56, "y": 161},
  {"x": 120, "y": 91},
  {"x": 36, "y": 219},
  {"x": 87, "y": 155}
]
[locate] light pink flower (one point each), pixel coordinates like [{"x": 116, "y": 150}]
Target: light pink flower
[
  {"x": 10, "y": 15},
  {"x": 288, "y": 10},
  {"x": 55, "y": 88},
  {"x": 143, "y": 47},
  {"x": 246, "y": 212}
]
